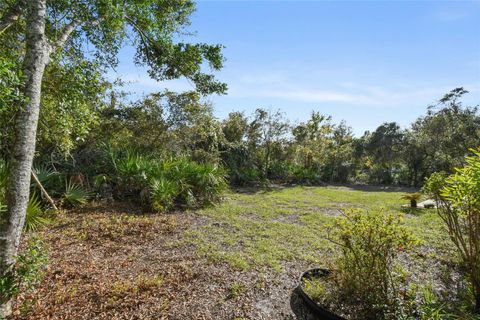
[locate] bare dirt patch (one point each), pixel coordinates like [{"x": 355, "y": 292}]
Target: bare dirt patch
[{"x": 112, "y": 263}]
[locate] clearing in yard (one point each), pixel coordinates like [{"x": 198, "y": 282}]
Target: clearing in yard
[{"x": 238, "y": 260}]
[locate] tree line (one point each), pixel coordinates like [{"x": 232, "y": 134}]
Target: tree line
[{"x": 260, "y": 148}]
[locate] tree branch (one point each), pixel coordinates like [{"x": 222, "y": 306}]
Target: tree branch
[
  {"x": 12, "y": 15},
  {"x": 64, "y": 35},
  {"x": 42, "y": 189},
  {"x": 67, "y": 31}
]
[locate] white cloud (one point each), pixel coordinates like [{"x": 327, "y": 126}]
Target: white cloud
[
  {"x": 142, "y": 82},
  {"x": 276, "y": 86}
]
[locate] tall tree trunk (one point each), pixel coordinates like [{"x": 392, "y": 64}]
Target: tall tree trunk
[{"x": 18, "y": 190}]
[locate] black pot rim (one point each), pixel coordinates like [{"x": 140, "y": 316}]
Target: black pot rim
[{"x": 318, "y": 310}]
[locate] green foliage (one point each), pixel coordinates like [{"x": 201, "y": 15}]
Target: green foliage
[
  {"x": 3, "y": 179},
  {"x": 163, "y": 193},
  {"x": 460, "y": 212},
  {"x": 432, "y": 308},
  {"x": 169, "y": 182},
  {"x": 10, "y": 84},
  {"x": 75, "y": 195},
  {"x": 413, "y": 198},
  {"x": 44, "y": 173},
  {"x": 235, "y": 290},
  {"x": 315, "y": 288},
  {"x": 72, "y": 96},
  {"x": 366, "y": 277},
  {"x": 434, "y": 184},
  {"x": 26, "y": 273},
  {"x": 196, "y": 184},
  {"x": 35, "y": 216}
]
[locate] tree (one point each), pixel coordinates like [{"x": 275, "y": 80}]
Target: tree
[
  {"x": 384, "y": 145},
  {"x": 313, "y": 138},
  {"x": 446, "y": 133},
  {"x": 266, "y": 133},
  {"x": 340, "y": 154},
  {"x": 235, "y": 127},
  {"x": 47, "y": 31}
]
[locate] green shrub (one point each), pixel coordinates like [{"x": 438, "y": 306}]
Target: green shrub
[
  {"x": 459, "y": 195},
  {"x": 3, "y": 178},
  {"x": 434, "y": 185},
  {"x": 26, "y": 273},
  {"x": 207, "y": 181},
  {"x": 163, "y": 193},
  {"x": 44, "y": 174},
  {"x": 198, "y": 184},
  {"x": 75, "y": 195},
  {"x": 132, "y": 171},
  {"x": 303, "y": 175},
  {"x": 168, "y": 182},
  {"x": 245, "y": 177},
  {"x": 369, "y": 246},
  {"x": 432, "y": 308}
]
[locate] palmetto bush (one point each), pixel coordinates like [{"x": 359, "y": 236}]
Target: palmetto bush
[
  {"x": 131, "y": 171},
  {"x": 35, "y": 216},
  {"x": 75, "y": 195},
  {"x": 163, "y": 193},
  {"x": 169, "y": 182},
  {"x": 207, "y": 181},
  {"x": 45, "y": 175}
]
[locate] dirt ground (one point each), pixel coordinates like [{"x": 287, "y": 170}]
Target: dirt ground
[{"x": 108, "y": 262}]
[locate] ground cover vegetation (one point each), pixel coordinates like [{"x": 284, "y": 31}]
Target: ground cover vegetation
[{"x": 89, "y": 146}]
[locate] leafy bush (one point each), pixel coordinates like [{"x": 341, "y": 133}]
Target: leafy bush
[
  {"x": 45, "y": 174},
  {"x": 26, "y": 273},
  {"x": 365, "y": 277},
  {"x": 207, "y": 182},
  {"x": 131, "y": 171},
  {"x": 459, "y": 195},
  {"x": 434, "y": 185}
]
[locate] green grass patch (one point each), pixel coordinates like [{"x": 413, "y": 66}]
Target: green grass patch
[{"x": 266, "y": 229}]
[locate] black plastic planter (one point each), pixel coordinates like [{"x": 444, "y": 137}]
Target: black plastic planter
[{"x": 318, "y": 310}]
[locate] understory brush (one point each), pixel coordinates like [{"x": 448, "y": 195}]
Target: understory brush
[
  {"x": 163, "y": 184},
  {"x": 26, "y": 273},
  {"x": 368, "y": 276}
]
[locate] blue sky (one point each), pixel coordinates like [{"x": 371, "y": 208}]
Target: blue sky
[{"x": 365, "y": 62}]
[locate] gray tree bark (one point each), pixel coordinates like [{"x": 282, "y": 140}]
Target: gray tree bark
[{"x": 18, "y": 190}]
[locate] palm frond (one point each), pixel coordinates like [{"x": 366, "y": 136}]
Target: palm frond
[
  {"x": 75, "y": 195},
  {"x": 44, "y": 173},
  {"x": 34, "y": 217}
]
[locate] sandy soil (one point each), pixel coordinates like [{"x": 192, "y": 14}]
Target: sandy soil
[{"x": 106, "y": 262}]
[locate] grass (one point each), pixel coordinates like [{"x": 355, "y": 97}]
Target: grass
[
  {"x": 267, "y": 229},
  {"x": 112, "y": 261}
]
